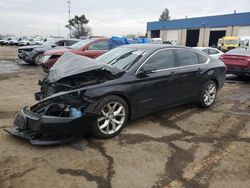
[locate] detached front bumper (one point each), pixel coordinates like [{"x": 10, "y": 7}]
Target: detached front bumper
[{"x": 49, "y": 130}]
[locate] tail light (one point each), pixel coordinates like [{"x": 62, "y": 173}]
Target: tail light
[{"x": 248, "y": 65}]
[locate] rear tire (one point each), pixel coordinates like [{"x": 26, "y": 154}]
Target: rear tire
[
  {"x": 208, "y": 94},
  {"x": 113, "y": 111}
]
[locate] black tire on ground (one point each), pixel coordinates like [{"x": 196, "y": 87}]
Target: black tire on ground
[
  {"x": 37, "y": 58},
  {"x": 95, "y": 130},
  {"x": 203, "y": 99}
]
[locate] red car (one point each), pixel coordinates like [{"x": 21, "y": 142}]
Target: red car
[
  {"x": 237, "y": 61},
  {"x": 90, "y": 47}
]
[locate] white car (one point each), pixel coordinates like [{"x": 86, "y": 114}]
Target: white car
[
  {"x": 7, "y": 41},
  {"x": 156, "y": 41},
  {"x": 213, "y": 52}
]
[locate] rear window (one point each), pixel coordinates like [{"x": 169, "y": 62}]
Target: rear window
[
  {"x": 239, "y": 52},
  {"x": 187, "y": 57}
]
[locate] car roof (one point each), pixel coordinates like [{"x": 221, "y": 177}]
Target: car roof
[
  {"x": 152, "y": 47},
  {"x": 201, "y": 48}
]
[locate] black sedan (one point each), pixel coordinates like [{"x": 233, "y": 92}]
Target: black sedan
[{"x": 82, "y": 95}]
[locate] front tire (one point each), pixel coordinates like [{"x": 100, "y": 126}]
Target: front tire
[
  {"x": 113, "y": 111},
  {"x": 208, "y": 94},
  {"x": 37, "y": 59}
]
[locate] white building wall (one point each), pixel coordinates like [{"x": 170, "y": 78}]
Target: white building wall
[
  {"x": 170, "y": 35},
  {"x": 244, "y": 31}
]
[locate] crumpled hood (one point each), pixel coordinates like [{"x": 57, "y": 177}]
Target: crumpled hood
[
  {"x": 57, "y": 51},
  {"x": 70, "y": 64}
]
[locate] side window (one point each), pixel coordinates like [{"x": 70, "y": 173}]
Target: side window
[
  {"x": 162, "y": 60},
  {"x": 212, "y": 51},
  {"x": 99, "y": 45},
  {"x": 187, "y": 57},
  {"x": 60, "y": 43},
  {"x": 202, "y": 58},
  {"x": 205, "y": 51},
  {"x": 70, "y": 42}
]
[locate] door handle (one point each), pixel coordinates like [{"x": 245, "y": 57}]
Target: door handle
[{"x": 172, "y": 73}]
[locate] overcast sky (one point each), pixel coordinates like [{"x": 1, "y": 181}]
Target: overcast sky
[{"x": 107, "y": 17}]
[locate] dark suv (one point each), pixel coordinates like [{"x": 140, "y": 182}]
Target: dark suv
[{"x": 33, "y": 54}]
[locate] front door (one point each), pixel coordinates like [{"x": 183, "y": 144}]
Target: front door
[{"x": 159, "y": 87}]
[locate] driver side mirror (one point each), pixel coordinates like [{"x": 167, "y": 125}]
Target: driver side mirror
[
  {"x": 53, "y": 45},
  {"x": 146, "y": 69}
]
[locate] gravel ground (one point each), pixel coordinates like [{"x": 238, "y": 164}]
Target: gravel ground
[{"x": 181, "y": 147}]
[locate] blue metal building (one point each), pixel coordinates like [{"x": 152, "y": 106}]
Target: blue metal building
[{"x": 201, "y": 31}]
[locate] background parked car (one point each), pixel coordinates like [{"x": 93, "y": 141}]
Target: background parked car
[
  {"x": 237, "y": 62},
  {"x": 219, "y": 44},
  {"x": 89, "y": 47},
  {"x": 6, "y": 41},
  {"x": 33, "y": 54},
  {"x": 229, "y": 43},
  {"x": 156, "y": 41},
  {"x": 14, "y": 41},
  {"x": 213, "y": 52},
  {"x": 2, "y": 41}
]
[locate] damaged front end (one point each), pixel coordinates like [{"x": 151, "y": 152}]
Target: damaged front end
[
  {"x": 58, "y": 119},
  {"x": 73, "y": 72}
]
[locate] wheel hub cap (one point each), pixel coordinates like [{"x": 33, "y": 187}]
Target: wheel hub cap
[
  {"x": 210, "y": 94},
  {"x": 112, "y": 118}
]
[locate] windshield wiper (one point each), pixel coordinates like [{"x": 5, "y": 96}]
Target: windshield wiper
[{"x": 132, "y": 62}]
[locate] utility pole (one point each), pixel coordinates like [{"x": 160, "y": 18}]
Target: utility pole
[
  {"x": 69, "y": 2},
  {"x": 58, "y": 28}
]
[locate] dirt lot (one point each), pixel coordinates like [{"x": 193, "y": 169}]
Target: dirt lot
[{"x": 182, "y": 147}]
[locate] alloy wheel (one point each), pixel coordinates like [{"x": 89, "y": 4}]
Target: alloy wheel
[
  {"x": 210, "y": 94},
  {"x": 38, "y": 59},
  {"x": 112, "y": 118}
]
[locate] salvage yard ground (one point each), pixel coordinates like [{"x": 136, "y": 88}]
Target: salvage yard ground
[{"x": 181, "y": 147}]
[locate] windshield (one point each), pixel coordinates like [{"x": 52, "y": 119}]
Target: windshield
[
  {"x": 80, "y": 44},
  {"x": 121, "y": 58},
  {"x": 49, "y": 42},
  {"x": 231, "y": 42}
]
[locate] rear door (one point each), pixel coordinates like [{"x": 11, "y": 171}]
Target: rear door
[
  {"x": 191, "y": 68},
  {"x": 96, "y": 49}
]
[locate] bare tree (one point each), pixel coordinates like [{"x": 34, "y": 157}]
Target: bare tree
[
  {"x": 165, "y": 15},
  {"x": 79, "y": 24}
]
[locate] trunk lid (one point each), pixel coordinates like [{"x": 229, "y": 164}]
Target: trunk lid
[{"x": 236, "y": 60}]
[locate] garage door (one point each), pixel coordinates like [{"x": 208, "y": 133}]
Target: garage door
[
  {"x": 244, "y": 31},
  {"x": 172, "y": 36}
]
